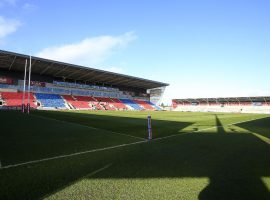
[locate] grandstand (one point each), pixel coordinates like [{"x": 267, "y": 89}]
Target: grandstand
[
  {"x": 58, "y": 85},
  {"x": 229, "y": 104}
]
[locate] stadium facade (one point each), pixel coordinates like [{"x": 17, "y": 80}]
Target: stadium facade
[
  {"x": 229, "y": 104},
  {"x": 58, "y": 85}
]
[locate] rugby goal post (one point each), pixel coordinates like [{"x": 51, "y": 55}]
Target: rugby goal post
[{"x": 149, "y": 123}]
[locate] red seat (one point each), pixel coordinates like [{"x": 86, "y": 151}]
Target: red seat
[
  {"x": 118, "y": 104},
  {"x": 106, "y": 102},
  {"x": 144, "y": 104},
  {"x": 14, "y": 99},
  {"x": 89, "y": 100},
  {"x": 77, "y": 104}
]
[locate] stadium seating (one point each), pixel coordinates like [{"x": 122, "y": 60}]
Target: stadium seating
[
  {"x": 106, "y": 102},
  {"x": 174, "y": 104},
  {"x": 50, "y": 100},
  {"x": 75, "y": 103},
  {"x": 83, "y": 86},
  {"x": 91, "y": 100},
  {"x": 64, "y": 98},
  {"x": 154, "y": 105},
  {"x": 6, "y": 86},
  {"x": 118, "y": 104},
  {"x": 228, "y": 108},
  {"x": 246, "y": 103},
  {"x": 203, "y": 103},
  {"x": 131, "y": 103},
  {"x": 213, "y": 103},
  {"x": 14, "y": 99},
  {"x": 144, "y": 104},
  {"x": 84, "y": 98},
  {"x": 232, "y": 104},
  {"x": 68, "y": 98}
]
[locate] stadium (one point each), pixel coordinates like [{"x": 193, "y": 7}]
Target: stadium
[
  {"x": 259, "y": 104},
  {"x": 56, "y": 85},
  {"x": 134, "y": 100},
  {"x": 87, "y": 136}
]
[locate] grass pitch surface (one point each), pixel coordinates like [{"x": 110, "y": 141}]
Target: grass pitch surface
[{"x": 104, "y": 155}]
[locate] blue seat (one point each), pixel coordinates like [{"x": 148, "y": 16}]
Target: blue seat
[
  {"x": 156, "y": 107},
  {"x": 131, "y": 104},
  {"x": 50, "y": 100}
]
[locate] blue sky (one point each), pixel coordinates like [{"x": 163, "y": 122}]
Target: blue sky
[{"x": 202, "y": 48}]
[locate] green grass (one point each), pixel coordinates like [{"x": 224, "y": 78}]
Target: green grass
[{"x": 224, "y": 162}]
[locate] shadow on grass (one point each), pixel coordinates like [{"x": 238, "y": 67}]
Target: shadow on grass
[
  {"x": 234, "y": 169},
  {"x": 220, "y": 128},
  {"x": 126, "y": 125},
  {"x": 261, "y": 126},
  {"x": 36, "y": 138},
  {"x": 234, "y": 163}
]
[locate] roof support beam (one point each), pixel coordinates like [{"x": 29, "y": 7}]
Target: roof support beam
[
  {"x": 136, "y": 83},
  {"x": 96, "y": 78},
  {"x": 12, "y": 62},
  {"x": 132, "y": 83},
  {"x": 123, "y": 81},
  {"x": 85, "y": 75},
  {"x": 34, "y": 62},
  {"x": 49, "y": 66},
  {"x": 75, "y": 72},
  {"x": 61, "y": 70},
  {"x": 110, "y": 79}
]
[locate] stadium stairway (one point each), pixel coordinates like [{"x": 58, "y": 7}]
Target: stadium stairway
[
  {"x": 50, "y": 100},
  {"x": 132, "y": 104}
]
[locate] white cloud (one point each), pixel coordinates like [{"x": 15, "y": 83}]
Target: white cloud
[
  {"x": 89, "y": 51},
  {"x": 29, "y": 7},
  {"x": 8, "y": 26}
]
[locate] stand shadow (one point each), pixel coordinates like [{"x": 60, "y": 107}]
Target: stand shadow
[
  {"x": 220, "y": 128},
  {"x": 233, "y": 162},
  {"x": 260, "y": 126},
  {"x": 37, "y": 138},
  {"x": 126, "y": 125}
]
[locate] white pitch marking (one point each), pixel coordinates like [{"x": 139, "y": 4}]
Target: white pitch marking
[
  {"x": 114, "y": 147},
  {"x": 98, "y": 170},
  {"x": 70, "y": 155}
]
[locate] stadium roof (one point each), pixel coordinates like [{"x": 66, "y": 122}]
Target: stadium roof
[
  {"x": 225, "y": 99},
  {"x": 16, "y": 62}
]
